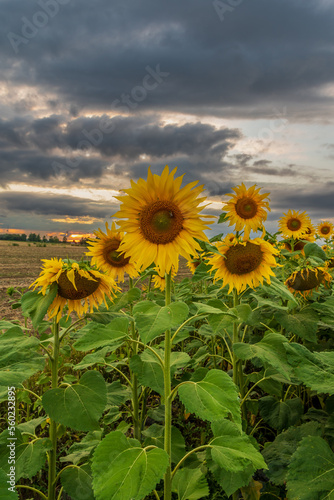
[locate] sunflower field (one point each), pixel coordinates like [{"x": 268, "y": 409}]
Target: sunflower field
[{"x": 219, "y": 386}]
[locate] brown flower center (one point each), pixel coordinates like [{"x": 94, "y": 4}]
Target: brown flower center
[
  {"x": 306, "y": 279},
  {"x": 112, "y": 256},
  {"x": 243, "y": 259},
  {"x": 299, "y": 245},
  {"x": 85, "y": 286},
  {"x": 325, "y": 230},
  {"x": 246, "y": 208},
  {"x": 161, "y": 222},
  {"x": 294, "y": 224}
]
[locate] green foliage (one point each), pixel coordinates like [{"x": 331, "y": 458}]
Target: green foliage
[
  {"x": 311, "y": 469},
  {"x": 77, "y": 482},
  {"x": 122, "y": 470},
  {"x": 35, "y": 305},
  {"x": 280, "y": 414},
  {"x": 80, "y": 405},
  {"x": 212, "y": 398},
  {"x": 304, "y": 324},
  {"x": 95, "y": 335},
  {"x": 190, "y": 484}
]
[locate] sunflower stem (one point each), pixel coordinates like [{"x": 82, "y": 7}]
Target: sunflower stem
[
  {"x": 238, "y": 377},
  {"x": 53, "y": 424},
  {"x": 134, "y": 380},
  {"x": 168, "y": 399}
]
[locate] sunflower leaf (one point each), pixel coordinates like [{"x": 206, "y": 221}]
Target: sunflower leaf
[
  {"x": 314, "y": 250},
  {"x": 123, "y": 470},
  {"x": 190, "y": 484},
  {"x": 35, "y": 305}
]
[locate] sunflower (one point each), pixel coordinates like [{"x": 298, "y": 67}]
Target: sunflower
[
  {"x": 106, "y": 256},
  {"x": 294, "y": 224},
  {"x": 325, "y": 229},
  {"x": 75, "y": 282},
  {"x": 161, "y": 220},
  {"x": 243, "y": 263},
  {"x": 246, "y": 209},
  {"x": 193, "y": 264},
  {"x": 304, "y": 281},
  {"x": 309, "y": 234},
  {"x": 160, "y": 281}
]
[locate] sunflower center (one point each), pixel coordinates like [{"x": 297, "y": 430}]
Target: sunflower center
[
  {"x": 325, "y": 230},
  {"x": 306, "y": 279},
  {"x": 243, "y": 259},
  {"x": 246, "y": 208},
  {"x": 294, "y": 224},
  {"x": 161, "y": 222},
  {"x": 112, "y": 256},
  {"x": 85, "y": 286}
]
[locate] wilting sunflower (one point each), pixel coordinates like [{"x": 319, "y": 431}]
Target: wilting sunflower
[
  {"x": 106, "y": 255},
  {"x": 160, "y": 281},
  {"x": 304, "y": 281},
  {"x": 325, "y": 229},
  {"x": 161, "y": 220},
  {"x": 243, "y": 263},
  {"x": 79, "y": 286},
  {"x": 294, "y": 224},
  {"x": 246, "y": 208}
]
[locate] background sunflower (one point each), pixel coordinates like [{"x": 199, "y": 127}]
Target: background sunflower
[
  {"x": 294, "y": 224},
  {"x": 325, "y": 229}
]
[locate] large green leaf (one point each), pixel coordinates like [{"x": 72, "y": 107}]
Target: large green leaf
[
  {"x": 311, "y": 471},
  {"x": 280, "y": 414},
  {"x": 316, "y": 370},
  {"x": 78, "y": 406},
  {"x": 278, "y": 453},
  {"x": 97, "y": 357},
  {"x": 122, "y": 470},
  {"x": 96, "y": 335},
  {"x": 212, "y": 398},
  {"x": 7, "y": 490},
  {"x": 190, "y": 484},
  {"x": 80, "y": 451},
  {"x": 155, "y": 435},
  {"x": 270, "y": 350},
  {"x": 314, "y": 250},
  {"x": 19, "y": 358},
  {"x": 153, "y": 320},
  {"x": 77, "y": 483},
  {"x": 148, "y": 370},
  {"x": 117, "y": 393},
  {"x": 232, "y": 457},
  {"x": 36, "y": 305},
  {"x": 280, "y": 290},
  {"x": 30, "y": 456},
  {"x": 304, "y": 324}
]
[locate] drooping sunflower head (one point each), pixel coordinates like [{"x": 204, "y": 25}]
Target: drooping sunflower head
[
  {"x": 325, "y": 229},
  {"x": 160, "y": 281},
  {"x": 161, "y": 220},
  {"x": 79, "y": 285},
  {"x": 107, "y": 257},
  {"x": 246, "y": 208},
  {"x": 243, "y": 263},
  {"x": 294, "y": 224},
  {"x": 304, "y": 281}
]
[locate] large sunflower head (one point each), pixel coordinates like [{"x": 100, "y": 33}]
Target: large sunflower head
[
  {"x": 304, "y": 281},
  {"x": 161, "y": 220},
  {"x": 243, "y": 263},
  {"x": 107, "y": 257},
  {"x": 325, "y": 229},
  {"x": 80, "y": 286},
  {"x": 294, "y": 224},
  {"x": 247, "y": 209}
]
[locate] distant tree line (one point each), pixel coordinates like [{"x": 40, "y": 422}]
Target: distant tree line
[{"x": 31, "y": 237}]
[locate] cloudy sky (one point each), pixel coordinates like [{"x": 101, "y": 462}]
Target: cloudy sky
[{"x": 93, "y": 92}]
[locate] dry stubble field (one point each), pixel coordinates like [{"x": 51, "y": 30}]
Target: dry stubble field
[{"x": 20, "y": 265}]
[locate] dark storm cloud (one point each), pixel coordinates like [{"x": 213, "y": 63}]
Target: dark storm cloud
[
  {"x": 54, "y": 205},
  {"x": 262, "y": 54},
  {"x": 318, "y": 203}
]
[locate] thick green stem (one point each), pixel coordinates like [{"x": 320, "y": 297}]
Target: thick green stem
[
  {"x": 53, "y": 425},
  {"x": 134, "y": 380},
  {"x": 235, "y": 340},
  {"x": 168, "y": 399}
]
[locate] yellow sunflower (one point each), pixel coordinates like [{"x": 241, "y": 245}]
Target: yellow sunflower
[
  {"x": 304, "y": 281},
  {"x": 160, "y": 281},
  {"x": 243, "y": 263},
  {"x": 79, "y": 286},
  {"x": 106, "y": 256},
  {"x": 325, "y": 229},
  {"x": 161, "y": 220},
  {"x": 246, "y": 208},
  {"x": 193, "y": 264},
  {"x": 294, "y": 224},
  {"x": 309, "y": 234}
]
